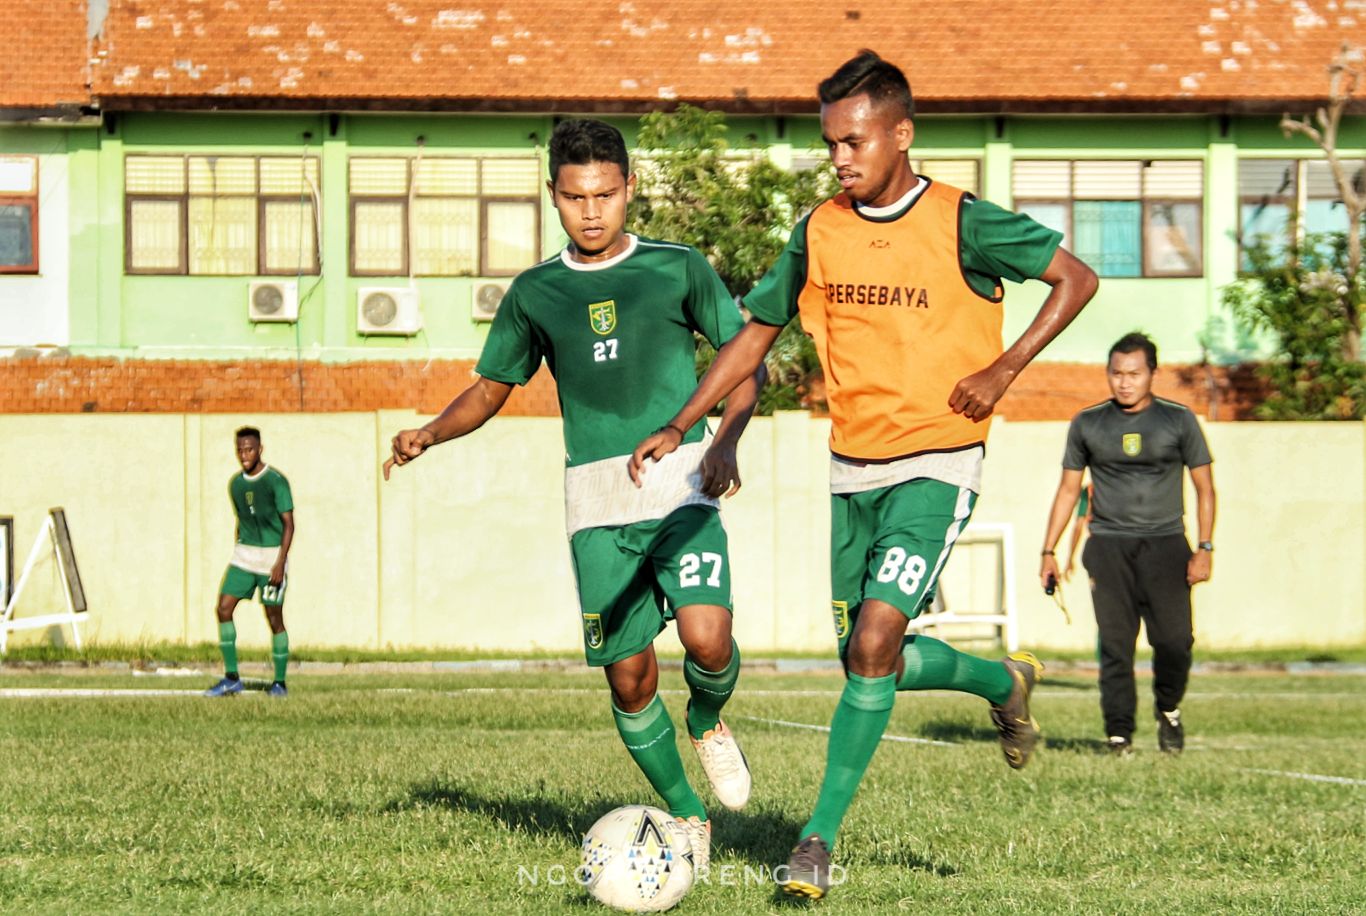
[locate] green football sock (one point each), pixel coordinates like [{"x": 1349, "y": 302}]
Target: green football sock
[
  {"x": 649, "y": 736},
  {"x": 709, "y": 691},
  {"x": 933, "y": 665},
  {"x": 279, "y": 654},
  {"x": 860, "y": 718},
  {"x": 227, "y": 644}
]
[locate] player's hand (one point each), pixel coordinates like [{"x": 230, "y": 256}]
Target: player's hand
[
  {"x": 975, "y": 397},
  {"x": 1068, "y": 570},
  {"x": 720, "y": 471},
  {"x": 1048, "y": 569},
  {"x": 277, "y": 575},
  {"x": 407, "y": 445},
  {"x": 1198, "y": 567},
  {"x": 654, "y": 446}
]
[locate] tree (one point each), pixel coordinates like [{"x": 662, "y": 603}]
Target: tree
[
  {"x": 1343, "y": 81},
  {"x": 1308, "y": 291},
  {"x": 737, "y": 209}
]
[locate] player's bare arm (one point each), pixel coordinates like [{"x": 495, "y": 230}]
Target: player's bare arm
[
  {"x": 720, "y": 469},
  {"x": 277, "y": 572},
  {"x": 1202, "y": 561},
  {"x": 471, "y": 409},
  {"x": 1064, "y": 502},
  {"x": 740, "y": 358},
  {"x": 1073, "y": 285}
]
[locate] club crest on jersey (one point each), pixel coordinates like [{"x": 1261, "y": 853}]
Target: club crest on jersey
[
  {"x": 840, "y": 610},
  {"x": 603, "y": 317},
  {"x": 592, "y": 630},
  {"x": 1132, "y": 444},
  {"x": 249, "y": 497}
]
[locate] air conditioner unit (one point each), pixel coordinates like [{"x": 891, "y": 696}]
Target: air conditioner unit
[
  {"x": 388, "y": 310},
  {"x": 488, "y": 295},
  {"x": 273, "y": 300}
]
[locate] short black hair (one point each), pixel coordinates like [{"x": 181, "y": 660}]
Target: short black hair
[
  {"x": 251, "y": 431},
  {"x": 867, "y": 73},
  {"x": 583, "y": 141},
  {"x": 1132, "y": 343}
]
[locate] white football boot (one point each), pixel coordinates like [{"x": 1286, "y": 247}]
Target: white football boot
[{"x": 725, "y": 766}]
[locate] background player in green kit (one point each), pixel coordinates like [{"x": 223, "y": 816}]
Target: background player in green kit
[
  {"x": 613, "y": 315},
  {"x": 265, "y": 530}
]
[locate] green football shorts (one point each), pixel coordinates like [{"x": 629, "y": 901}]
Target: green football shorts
[
  {"x": 632, "y": 578},
  {"x": 242, "y": 584},
  {"x": 890, "y": 544}
]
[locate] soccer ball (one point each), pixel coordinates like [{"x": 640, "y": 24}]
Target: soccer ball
[{"x": 637, "y": 859}]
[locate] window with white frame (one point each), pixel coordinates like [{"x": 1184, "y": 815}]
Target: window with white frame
[
  {"x": 1278, "y": 198},
  {"x": 444, "y": 216},
  {"x": 221, "y": 215},
  {"x": 18, "y": 214},
  {"x": 961, "y": 173},
  {"x": 1123, "y": 217}
]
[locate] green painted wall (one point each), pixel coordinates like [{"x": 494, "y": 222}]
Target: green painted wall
[{"x": 111, "y": 313}]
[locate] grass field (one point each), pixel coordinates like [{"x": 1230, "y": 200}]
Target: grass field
[{"x": 455, "y": 793}]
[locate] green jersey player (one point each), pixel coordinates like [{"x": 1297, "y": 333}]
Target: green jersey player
[
  {"x": 613, "y": 315},
  {"x": 265, "y": 530}
]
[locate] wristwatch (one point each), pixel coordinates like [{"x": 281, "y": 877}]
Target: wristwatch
[{"x": 1207, "y": 546}]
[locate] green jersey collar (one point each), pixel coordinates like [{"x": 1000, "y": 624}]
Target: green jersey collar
[{"x": 613, "y": 261}]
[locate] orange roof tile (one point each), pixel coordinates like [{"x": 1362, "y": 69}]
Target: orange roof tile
[
  {"x": 43, "y": 63},
  {"x": 960, "y": 54}
]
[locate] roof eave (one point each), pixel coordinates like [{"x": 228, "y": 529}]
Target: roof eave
[{"x": 733, "y": 105}]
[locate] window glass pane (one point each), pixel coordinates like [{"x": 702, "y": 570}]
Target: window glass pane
[
  {"x": 1052, "y": 215},
  {"x": 16, "y": 235},
  {"x": 1042, "y": 178},
  {"x": 1264, "y": 223},
  {"x": 448, "y": 176},
  {"x": 222, "y": 175},
  {"x": 1266, "y": 177},
  {"x": 379, "y": 177},
  {"x": 378, "y": 237},
  {"x": 1325, "y": 216},
  {"x": 154, "y": 235},
  {"x": 511, "y": 177},
  {"x": 512, "y": 236},
  {"x": 1174, "y": 178},
  {"x": 154, "y": 175},
  {"x": 291, "y": 237},
  {"x": 961, "y": 173},
  {"x": 1173, "y": 242},
  {"x": 445, "y": 236},
  {"x": 289, "y": 176},
  {"x": 1100, "y": 179},
  {"x": 1107, "y": 236},
  {"x": 222, "y": 235},
  {"x": 18, "y": 175}
]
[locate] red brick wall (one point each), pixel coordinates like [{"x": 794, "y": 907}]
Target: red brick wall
[
  {"x": 1046, "y": 391},
  {"x": 76, "y": 385}
]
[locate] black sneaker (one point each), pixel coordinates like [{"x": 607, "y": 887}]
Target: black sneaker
[
  {"x": 1017, "y": 729},
  {"x": 1119, "y": 746},
  {"x": 808, "y": 869},
  {"x": 1171, "y": 737}
]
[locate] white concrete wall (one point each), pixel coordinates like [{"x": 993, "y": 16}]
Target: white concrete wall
[
  {"x": 466, "y": 547},
  {"x": 33, "y": 308}
]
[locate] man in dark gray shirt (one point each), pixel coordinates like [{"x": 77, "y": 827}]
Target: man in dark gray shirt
[{"x": 1139, "y": 562}]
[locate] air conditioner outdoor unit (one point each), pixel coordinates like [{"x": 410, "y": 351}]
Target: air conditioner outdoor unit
[
  {"x": 388, "y": 310},
  {"x": 488, "y": 295},
  {"x": 273, "y": 300}
]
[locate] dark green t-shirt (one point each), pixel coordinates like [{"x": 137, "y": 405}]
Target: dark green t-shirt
[
  {"x": 993, "y": 242},
  {"x": 258, "y": 502},
  {"x": 1136, "y": 460},
  {"x": 617, "y": 336}
]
